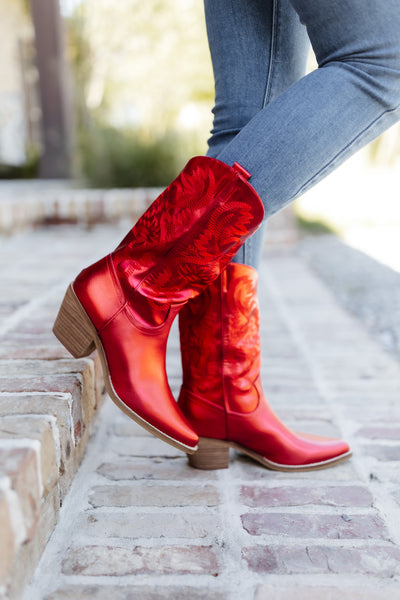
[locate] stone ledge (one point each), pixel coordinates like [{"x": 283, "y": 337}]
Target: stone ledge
[
  {"x": 46, "y": 409},
  {"x": 23, "y": 206}
]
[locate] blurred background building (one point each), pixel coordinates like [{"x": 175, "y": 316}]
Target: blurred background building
[
  {"x": 118, "y": 94},
  {"x": 19, "y": 104},
  {"x": 85, "y": 81},
  {"x": 36, "y": 109}
]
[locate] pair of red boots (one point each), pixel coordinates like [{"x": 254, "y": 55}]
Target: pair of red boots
[{"x": 175, "y": 259}]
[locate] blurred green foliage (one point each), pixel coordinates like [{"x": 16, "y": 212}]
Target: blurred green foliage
[
  {"x": 113, "y": 157},
  {"x": 136, "y": 68},
  {"x": 314, "y": 226},
  {"x": 28, "y": 170}
]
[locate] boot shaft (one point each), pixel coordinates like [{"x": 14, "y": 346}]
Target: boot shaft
[
  {"x": 178, "y": 247},
  {"x": 190, "y": 232},
  {"x": 220, "y": 342}
]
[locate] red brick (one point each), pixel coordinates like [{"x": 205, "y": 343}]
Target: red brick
[
  {"x": 315, "y": 526},
  {"x": 382, "y": 561},
  {"x": 300, "y": 496},
  {"x": 115, "y": 561}
]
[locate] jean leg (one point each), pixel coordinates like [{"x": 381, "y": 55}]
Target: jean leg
[
  {"x": 258, "y": 49},
  {"x": 315, "y": 124}
]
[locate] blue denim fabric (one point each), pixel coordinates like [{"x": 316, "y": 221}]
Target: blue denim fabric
[{"x": 291, "y": 130}]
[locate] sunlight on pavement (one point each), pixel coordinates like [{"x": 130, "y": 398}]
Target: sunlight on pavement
[{"x": 361, "y": 203}]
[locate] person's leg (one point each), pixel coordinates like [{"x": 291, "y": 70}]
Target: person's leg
[
  {"x": 326, "y": 116},
  {"x": 258, "y": 49}
]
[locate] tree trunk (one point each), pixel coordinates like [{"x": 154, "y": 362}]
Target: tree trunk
[{"x": 56, "y": 122}]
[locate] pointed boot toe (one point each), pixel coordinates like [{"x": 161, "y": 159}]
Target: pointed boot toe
[{"x": 222, "y": 395}]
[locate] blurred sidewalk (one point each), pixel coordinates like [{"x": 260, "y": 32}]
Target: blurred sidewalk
[{"x": 137, "y": 521}]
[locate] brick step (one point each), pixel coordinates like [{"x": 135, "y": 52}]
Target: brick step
[
  {"x": 43, "y": 437},
  {"x": 24, "y": 204},
  {"x": 48, "y": 401},
  {"x": 48, "y": 407}
]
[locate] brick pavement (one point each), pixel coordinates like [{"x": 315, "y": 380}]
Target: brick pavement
[
  {"x": 48, "y": 400},
  {"x": 137, "y": 522}
]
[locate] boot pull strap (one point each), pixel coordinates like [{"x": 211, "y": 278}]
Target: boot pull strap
[{"x": 241, "y": 171}]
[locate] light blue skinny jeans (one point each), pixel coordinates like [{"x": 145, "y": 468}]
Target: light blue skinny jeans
[{"x": 289, "y": 130}]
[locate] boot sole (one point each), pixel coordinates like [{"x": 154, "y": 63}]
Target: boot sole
[
  {"x": 214, "y": 454},
  {"x": 74, "y": 329}
]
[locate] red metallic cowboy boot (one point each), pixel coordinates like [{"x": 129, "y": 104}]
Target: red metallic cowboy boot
[
  {"x": 221, "y": 393},
  {"x": 125, "y": 303}
]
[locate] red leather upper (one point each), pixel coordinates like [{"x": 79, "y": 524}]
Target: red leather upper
[
  {"x": 175, "y": 250},
  {"x": 221, "y": 394}
]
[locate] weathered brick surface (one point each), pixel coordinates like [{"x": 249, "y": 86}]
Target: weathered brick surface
[
  {"x": 149, "y": 525},
  {"x": 57, "y": 405},
  {"x": 64, "y": 376},
  {"x": 29, "y": 553},
  {"x": 142, "y": 592},
  {"x": 152, "y": 469},
  {"x": 63, "y": 384},
  {"x": 47, "y": 399},
  {"x": 43, "y": 429},
  {"x": 22, "y": 208},
  {"x": 8, "y": 541},
  {"x": 68, "y": 415},
  {"x": 361, "y": 591},
  {"x": 380, "y": 561},
  {"x": 115, "y": 561},
  {"x": 245, "y": 470},
  {"x": 315, "y": 526},
  {"x": 81, "y": 373},
  {"x": 396, "y": 495},
  {"x": 20, "y": 464},
  {"x": 154, "y": 495},
  {"x": 125, "y": 427},
  {"x": 140, "y": 523},
  {"x": 345, "y": 495},
  {"x": 31, "y": 347},
  {"x": 142, "y": 446},
  {"x": 383, "y": 452},
  {"x": 380, "y": 432}
]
